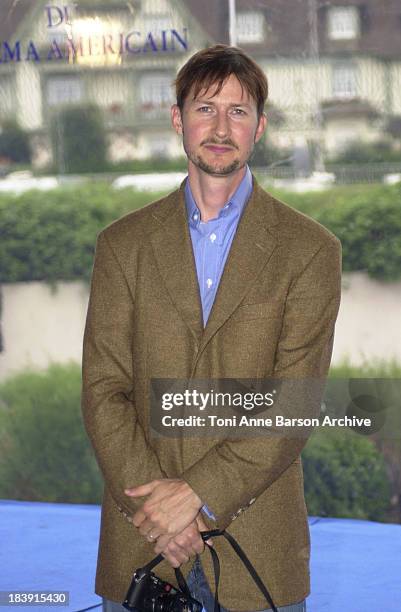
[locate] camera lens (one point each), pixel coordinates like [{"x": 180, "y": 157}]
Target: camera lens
[{"x": 171, "y": 603}]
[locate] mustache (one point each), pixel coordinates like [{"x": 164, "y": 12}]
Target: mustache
[{"x": 213, "y": 141}]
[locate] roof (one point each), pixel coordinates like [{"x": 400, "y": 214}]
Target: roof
[
  {"x": 12, "y": 14},
  {"x": 212, "y": 16},
  {"x": 380, "y": 29},
  {"x": 288, "y": 32}
]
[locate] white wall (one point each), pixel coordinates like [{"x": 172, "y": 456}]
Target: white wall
[
  {"x": 29, "y": 96},
  {"x": 369, "y": 321},
  {"x": 40, "y": 325},
  {"x": 395, "y": 79}
]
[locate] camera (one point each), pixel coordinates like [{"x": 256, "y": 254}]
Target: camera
[{"x": 148, "y": 593}]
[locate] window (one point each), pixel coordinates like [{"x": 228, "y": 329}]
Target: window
[
  {"x": 156, "y": 91},
  {"x": 344, "y": 82},
  {"x": 343, "y": 22},
  {"x": 250, "y": 27},
  {"x": 64, "y": 90},
  {"x": 159, "y": 146}
]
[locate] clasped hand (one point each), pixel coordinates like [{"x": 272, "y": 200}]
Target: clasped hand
[{"x": 171, "y": 518}]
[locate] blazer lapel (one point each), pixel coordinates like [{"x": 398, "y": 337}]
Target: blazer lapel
[
  {"x": 252, "y": 247},
  {"x": 250, "y": 251},
  {"x": 172, "y": 247}
]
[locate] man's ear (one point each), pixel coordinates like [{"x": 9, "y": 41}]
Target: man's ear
[
  {"x": 261, "y": 127},
  {"x": 176, "y": 118}
]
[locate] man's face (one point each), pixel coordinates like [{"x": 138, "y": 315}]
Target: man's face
[{"x": 219, "y": 131}]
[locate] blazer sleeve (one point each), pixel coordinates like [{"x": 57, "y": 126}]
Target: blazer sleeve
[
  {"x": 109, "y": 413},
  {"x": 304, "y": 351}
]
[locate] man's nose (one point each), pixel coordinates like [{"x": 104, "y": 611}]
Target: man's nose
[{"x": 222, "y": 127}]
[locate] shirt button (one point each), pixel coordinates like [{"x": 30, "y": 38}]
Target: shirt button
[
  {"x": 213, "y": 237},
  {"x": 209, "y": 283},
  {"x": 195, "y": 217}
]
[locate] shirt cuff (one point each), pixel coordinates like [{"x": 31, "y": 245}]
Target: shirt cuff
[{"x": 209, "y": 513}]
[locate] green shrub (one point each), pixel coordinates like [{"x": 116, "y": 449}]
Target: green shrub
[
  {"x": 154, "y": 164},
  {"x": 127, "y": 166},
  {"x": 266, "y": 154},
  {"x": 367, "y": 220},
  {"x": 79, "y": 140},
  {"x": 53, "y": 237},
  {"x": 345, "y": 476},
  {"x": 44, "y": 452},
  {"x": 376, "y": 368},
  {"x": 364, "y": 153},
  {"x": 14, "y": 143}
]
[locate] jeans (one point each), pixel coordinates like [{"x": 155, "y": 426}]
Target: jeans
[{"x": 200, "y": 590}]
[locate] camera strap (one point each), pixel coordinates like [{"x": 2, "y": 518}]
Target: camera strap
[{"x": 216, "y": 567}]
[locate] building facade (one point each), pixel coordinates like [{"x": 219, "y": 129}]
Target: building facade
[{"x": 334, "y": 68}]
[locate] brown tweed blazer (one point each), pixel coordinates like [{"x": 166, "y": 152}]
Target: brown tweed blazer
[{"x": 273, "y": 315}]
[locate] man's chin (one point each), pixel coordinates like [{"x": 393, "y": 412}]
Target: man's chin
[{"x": 218, "y": 169}]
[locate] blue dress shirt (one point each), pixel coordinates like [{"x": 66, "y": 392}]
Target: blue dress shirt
[
  {"x": 211, "y": 240},
  {"x": 211, "y": 243}
]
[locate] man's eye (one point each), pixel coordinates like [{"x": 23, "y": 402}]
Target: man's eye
[
  {"x": 204, "y": 109},
  {"x": 239, "y": 111}
]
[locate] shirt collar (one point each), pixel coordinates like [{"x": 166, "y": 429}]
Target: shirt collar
[{"x": 235, "y": 205}]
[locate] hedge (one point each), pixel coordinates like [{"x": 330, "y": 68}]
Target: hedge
[
  {"x": 46, "y": 456},
  {"x": 358, "y": 152},
  {"x": 44, "y": 451},
  {"x": 366, "y": 219},
  {"x": 345, "y": 476},
  {"x": 350, "y": 475},
  {"x": 51, "y": 236}
]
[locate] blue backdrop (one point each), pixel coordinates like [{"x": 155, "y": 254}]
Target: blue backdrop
[{"x": 355, "y": 566}]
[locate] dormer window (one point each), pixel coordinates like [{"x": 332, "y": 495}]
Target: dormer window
[
  {"x": 343, "y": 22},
  {"x": 250, "y": 27}
]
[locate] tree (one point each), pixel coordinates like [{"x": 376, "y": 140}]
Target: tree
[
  {"x": 14, "y": 143},
  {"x": 79, "y": 140}
]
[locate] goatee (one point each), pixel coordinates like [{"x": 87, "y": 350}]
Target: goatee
[{"x": 216, "y": 171}]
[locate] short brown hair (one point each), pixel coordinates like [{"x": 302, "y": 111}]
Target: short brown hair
[{"x": 213, "y": 66}]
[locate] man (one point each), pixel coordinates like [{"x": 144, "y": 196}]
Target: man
[{"x": 216, "y": 280}]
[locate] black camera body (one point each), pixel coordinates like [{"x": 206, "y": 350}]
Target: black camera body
[{"x": 148, "y": 593}]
